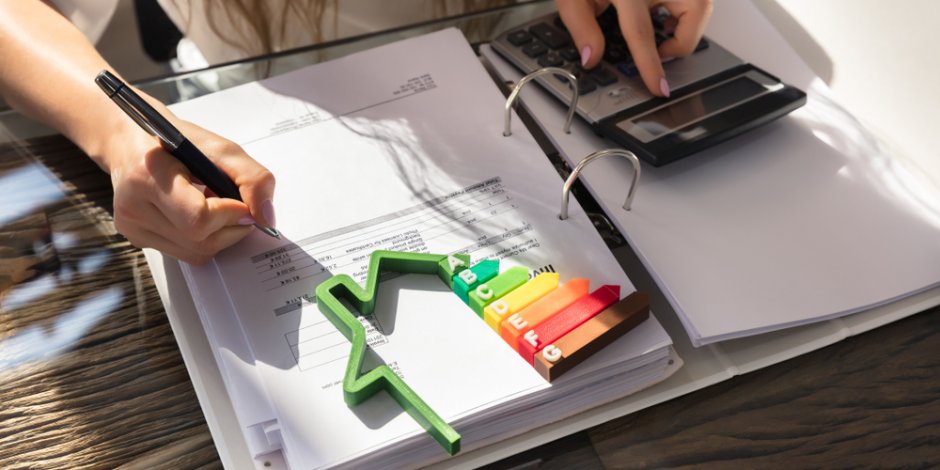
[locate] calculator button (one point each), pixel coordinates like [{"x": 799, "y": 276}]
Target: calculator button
[
  {"x": 628, "y": 68},
  {"x": 702, "y": 44},
  {"x": 518, "y": 38},
  {"x": 615, "y": 53},
  {"x": 535, "y": 49},
  {"x": 570, "y": 54},
  {"x": 608, "y": 20},
  {"x": 602, "y": 76},
  {"x": 559, "y": 23},
  {"x": 575, "y": 70},
  {"x": 550, "y": 35},
  {"x": 659, "y": 20},
  {"x": 586, "y": 84},
  {"x": 660, "y": 38},
  {"x": 552, "y": 59},
  {"x": 613, "y": 35}
]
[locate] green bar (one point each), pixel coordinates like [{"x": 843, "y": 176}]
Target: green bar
[
  {"x": 499, "y": 285},
  {"x": 483, "y": 271}
]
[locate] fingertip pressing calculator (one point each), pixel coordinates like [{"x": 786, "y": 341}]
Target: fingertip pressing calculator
[{"x": 715, "y": 95}]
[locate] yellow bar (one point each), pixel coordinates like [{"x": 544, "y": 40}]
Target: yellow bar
[{"x": 519, "y": 299}]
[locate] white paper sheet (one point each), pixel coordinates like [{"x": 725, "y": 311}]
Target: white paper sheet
[{"x": 401, "y": 148}]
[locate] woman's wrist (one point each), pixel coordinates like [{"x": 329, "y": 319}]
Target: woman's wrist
[{"x": 114, "y": 135}]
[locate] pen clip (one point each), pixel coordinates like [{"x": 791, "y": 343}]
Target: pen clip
[{"x": 132, "y": 104}]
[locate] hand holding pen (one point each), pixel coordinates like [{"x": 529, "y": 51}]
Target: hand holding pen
[{"x": 155, "y": 203}]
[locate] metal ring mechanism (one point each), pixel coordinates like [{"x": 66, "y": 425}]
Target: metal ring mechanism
[
  {"x": 542, "y": 71},
  {"x": 566, "y": 189}
]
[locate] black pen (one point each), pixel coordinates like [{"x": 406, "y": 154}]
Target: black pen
[{"x": 172, "y": 140}]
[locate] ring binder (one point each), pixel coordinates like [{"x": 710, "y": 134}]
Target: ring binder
[
  {"x": 284, "y": 362},
  {"x": 566, "y": 189},
  {"x": 542, "y": 71}
]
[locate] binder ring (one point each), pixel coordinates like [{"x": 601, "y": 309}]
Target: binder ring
[
  {"x": 566, "y": 189},
  {"x": 542, "y": 71}
]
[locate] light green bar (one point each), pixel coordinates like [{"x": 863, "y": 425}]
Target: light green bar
[{"x": 499, "y": 285}]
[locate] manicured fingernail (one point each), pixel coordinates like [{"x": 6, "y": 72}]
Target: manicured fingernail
[
  {"x": 246, "y": 220},
  {"x": 664, "y": 87},
  {"x": 585, "y": 55},
  {"x": 666, "y": 59},
  {"x": 267, "y": 210}
]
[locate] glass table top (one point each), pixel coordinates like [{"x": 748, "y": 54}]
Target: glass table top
[{"x": 90, "y": 372}]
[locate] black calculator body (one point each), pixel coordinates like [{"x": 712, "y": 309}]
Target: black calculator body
[{"x": 715, "y": 95}]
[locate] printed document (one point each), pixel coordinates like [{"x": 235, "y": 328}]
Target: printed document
[{"x": 396, "y": 148}]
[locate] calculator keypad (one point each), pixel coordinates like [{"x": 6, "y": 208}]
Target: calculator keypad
[
  {"x": 550, "y": 44},
  {"x": 615, "y": 102},
  {"x": 614, "y": 84}
]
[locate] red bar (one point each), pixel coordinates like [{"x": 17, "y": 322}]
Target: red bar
[{"x": 566, "y": 320}]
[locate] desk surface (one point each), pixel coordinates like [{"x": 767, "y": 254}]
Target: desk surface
[{"x": 90, "y": 373}]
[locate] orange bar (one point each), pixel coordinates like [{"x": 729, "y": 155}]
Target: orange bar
[{"x": 519, "y": 323}]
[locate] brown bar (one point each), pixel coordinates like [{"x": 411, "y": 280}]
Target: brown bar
[{"x": 592, "y": 335}]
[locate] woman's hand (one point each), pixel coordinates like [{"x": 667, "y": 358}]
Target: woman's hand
[
  {"x": 155, "y": 203},
  {"x": 157, "y": 206},
  {"x": 637, "y": 28}
]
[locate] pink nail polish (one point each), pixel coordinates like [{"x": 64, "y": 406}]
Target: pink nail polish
[
  {"x": 585, "y": 55},
  {"x": 664, "y": 87},
  {"x": 246, "y": 220},
  {"x": 267, "y": 210}
]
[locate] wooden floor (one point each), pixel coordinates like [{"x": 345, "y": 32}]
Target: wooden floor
[{"x": 91, "y": 377}]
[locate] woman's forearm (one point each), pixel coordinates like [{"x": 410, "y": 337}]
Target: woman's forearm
[{"x": 48, "y": 74}]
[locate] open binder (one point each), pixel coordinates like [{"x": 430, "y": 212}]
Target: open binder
[
  {"x": 396, "y": 148},
  {"x": 210, "y": 361}
]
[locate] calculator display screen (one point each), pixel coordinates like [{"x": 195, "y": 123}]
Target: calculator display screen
[{"x": 697, "y": 106}]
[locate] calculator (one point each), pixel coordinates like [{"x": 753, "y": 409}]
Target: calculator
[{"x": 715, "y": 95}]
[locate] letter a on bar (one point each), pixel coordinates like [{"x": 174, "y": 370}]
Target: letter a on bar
[{"x": 450, "y": 266}]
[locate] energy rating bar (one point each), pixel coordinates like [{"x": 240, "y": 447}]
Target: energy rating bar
[
  {"x": 566, "y": 320},
  {"x": 490, "y": 291},
  {"x": 468, "y": 279},
  {"x": 517, "y": 324},
  {"x": 496, "y": 312},
  {"x": 592, "y": 336}
]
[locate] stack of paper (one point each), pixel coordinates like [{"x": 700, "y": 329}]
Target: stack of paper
[{"x": 398, "y": 148}]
